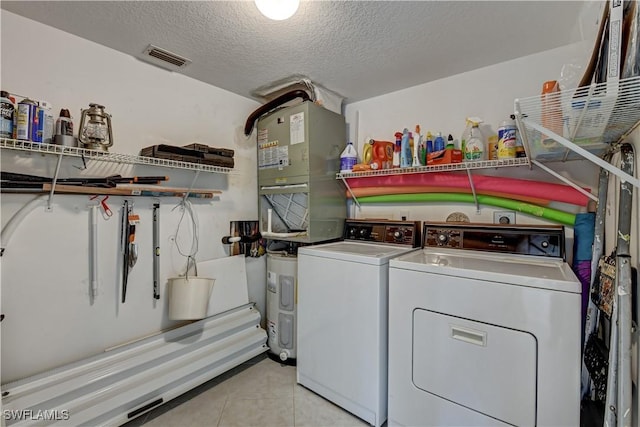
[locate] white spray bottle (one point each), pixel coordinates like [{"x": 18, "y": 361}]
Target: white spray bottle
[{"x": 405, "y": 150}]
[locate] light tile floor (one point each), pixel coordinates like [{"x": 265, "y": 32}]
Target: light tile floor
[{"x": 260, "y": 392}]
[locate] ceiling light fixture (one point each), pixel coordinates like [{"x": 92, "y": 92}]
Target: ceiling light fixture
[{"x": 277, "y": 10}]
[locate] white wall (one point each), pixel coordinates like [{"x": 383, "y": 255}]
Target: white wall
[
  {"x": 45, "y": 294},
  {"x": 443, "y": 105}
]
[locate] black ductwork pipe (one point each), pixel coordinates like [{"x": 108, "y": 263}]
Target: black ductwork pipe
[{"x": 299, "y": 93}]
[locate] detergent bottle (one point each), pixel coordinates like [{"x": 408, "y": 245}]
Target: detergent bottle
[
  {"x": 396, "y": 150},
  {"x": 367, "y": 151},
  {"x": 348, "y": 158},
  {"x": 473, "y": 141}
]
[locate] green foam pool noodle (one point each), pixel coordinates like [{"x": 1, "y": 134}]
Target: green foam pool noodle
[{"x": 555, "y": 215}]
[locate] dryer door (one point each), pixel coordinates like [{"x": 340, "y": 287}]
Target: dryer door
[{"x": 485, "y": 368}]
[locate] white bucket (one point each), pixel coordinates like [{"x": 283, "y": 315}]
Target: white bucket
[{"x": 189, "y": 297}]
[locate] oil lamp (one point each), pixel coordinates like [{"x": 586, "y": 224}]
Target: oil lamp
[{"x": 95, "y": 128}]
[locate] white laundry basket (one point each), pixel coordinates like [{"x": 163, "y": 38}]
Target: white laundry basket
[{"x": 189, "y": 297}]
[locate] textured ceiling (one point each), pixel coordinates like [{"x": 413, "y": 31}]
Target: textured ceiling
[{"x": 359, "y": 49}]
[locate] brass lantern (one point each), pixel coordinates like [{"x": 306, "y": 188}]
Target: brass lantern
[{"x": 95, "y": 128}]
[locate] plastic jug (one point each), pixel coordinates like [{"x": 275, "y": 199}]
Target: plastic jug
[{"x": 348, "y": 158}]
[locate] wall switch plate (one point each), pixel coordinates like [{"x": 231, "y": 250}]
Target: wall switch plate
[{"x": 504, "y": 217}]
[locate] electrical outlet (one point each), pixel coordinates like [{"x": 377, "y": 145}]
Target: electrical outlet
[{"x": 504, "y": 217}]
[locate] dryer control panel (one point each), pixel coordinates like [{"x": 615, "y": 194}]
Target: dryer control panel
[
  {"x": 405, "y": 233},
  {"x": 522, "y": 240}
]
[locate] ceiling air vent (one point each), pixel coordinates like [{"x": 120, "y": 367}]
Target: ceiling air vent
[{"x": 163, "y": 58}]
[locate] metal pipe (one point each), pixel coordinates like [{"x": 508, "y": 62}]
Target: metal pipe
[
  {"x": 565, "y": 180},
  {"x": 353, "y": 197},
  {"x": 473, "y": 191},
  {"x": 53, "y": 182},
  {"x": 623, "y": 289}
]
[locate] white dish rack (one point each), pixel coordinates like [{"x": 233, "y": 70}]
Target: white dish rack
[{"x": 580, "y": 123}]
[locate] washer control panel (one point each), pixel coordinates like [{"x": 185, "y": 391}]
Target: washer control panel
[
  {"x": 446, "y": 237},
  {"x": 523, "y": 240},
  {"x": 405, "y": 233}
]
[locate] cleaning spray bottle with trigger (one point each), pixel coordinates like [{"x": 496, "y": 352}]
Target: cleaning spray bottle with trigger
[{"x": 474, "y": 146}]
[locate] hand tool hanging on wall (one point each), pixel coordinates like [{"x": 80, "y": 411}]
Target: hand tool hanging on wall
[
  {"x": 124, "y": 247},
  {"x": 130, "y": 247},
  {"x": 156, "y": 251},
  {"x": 133, "y": 220}
]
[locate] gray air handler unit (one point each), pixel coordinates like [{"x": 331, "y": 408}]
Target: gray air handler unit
[
  {"x": 300, "y": 202},
  {"x": 300, "y": 199}
]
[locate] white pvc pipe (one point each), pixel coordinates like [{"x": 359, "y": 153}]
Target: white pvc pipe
[
  {"x": 16, "y": 219},
  {"x": 269, "y": 213},
  {"x": 94, "y": 251}
]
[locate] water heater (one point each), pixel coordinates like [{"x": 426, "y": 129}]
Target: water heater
[
  {"x": 300, "y": 199},
  {"x": 282, "y": 273}
]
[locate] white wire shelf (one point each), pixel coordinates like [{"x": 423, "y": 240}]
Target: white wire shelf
[
  {"x": 449, "y": 167},
  {"x": 592, "y": 117},
  {"x": 35, "y": 147}
]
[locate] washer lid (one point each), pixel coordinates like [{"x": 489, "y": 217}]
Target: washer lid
[
  {"x": 522, "y": 270},
  {"x": 367, "y": 253}
]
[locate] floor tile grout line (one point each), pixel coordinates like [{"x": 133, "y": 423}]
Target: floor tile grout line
[
  {"x": 224, "y": 406},
  {"x": 293, "y": 400}
]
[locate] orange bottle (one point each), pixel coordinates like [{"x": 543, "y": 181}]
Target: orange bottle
[{"x": 551, "y": 111}]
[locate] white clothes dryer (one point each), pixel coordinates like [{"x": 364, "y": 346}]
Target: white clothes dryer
[
  {"x": 342, "y": 315},
  {"x": 484, "y": 329}
]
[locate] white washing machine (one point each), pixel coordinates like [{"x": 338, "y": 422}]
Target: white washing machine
[
  {"x": 342, "y": 315},
  {"x": 484, "y": 329}
]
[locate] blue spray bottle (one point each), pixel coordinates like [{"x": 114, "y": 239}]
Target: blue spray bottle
[
  {"x": 438, "y": 143},
  {"x": 429, "y": 147}
]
